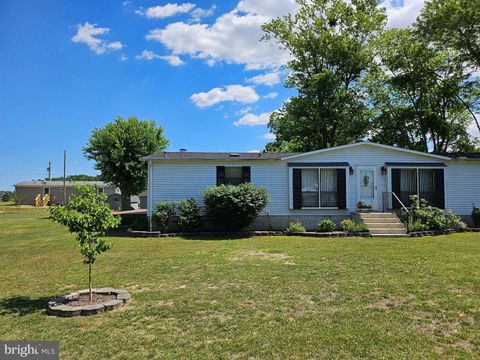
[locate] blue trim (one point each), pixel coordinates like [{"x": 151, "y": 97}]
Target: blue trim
[
  {"x": 318, "y": 164},
  {"x": 414, "y": 164}
]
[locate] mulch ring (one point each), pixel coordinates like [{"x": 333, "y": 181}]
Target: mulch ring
[{"x": 79, "y": 304}]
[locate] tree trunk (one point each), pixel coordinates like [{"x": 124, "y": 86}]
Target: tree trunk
[
  {"x": 90, "y": 281},
  {"x": 126, "y": 204}
]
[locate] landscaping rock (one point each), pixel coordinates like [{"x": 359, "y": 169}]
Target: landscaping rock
[
  {"x": 124, "y": 297},
  {"x": 112, "y": 304},
  {"x": 88, "y": 310},
  {"x": 64, "y": 310}
]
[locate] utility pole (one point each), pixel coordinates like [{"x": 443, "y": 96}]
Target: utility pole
[
  {"x": 49, "y": 169},
  {"x": 65, "y": 177}
]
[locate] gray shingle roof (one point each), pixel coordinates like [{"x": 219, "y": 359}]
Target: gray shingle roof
[
  {"x": 456, "y": 155},
  {"x": 42, "y": 183},
  {"x": 215, "y": 156}
]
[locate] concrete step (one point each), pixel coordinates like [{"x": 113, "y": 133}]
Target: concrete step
[
  {"x": 397, "y": 225},
  {"x": 366, "y": 215},
  {"x": 387, "y": 231},
  {"x": 381, "y": 220},
  {"x": 390, "y": 235}
]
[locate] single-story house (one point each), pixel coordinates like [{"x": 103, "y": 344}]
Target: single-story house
[
  {"x": 326, "y": 183},
  {"x": 30, "y": 190}
]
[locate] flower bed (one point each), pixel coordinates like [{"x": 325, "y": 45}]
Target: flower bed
[{"x": 78, "y": 303}]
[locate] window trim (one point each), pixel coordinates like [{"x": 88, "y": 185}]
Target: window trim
[
  {"x": 304, "y": 166},
  {"x": 417, "y": 168}
]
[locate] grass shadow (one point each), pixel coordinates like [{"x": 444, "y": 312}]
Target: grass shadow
[
  {"x": 214, "y": 237},
  {"x": 22, "y": 305}
]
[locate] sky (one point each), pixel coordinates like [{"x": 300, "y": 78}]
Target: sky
[{"x": 196, "y": 67}]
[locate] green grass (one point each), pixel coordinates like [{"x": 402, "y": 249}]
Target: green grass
[{"x": 254, "y": 298}]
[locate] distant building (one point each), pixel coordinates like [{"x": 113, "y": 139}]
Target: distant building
[{"x": 30, "y": 190}]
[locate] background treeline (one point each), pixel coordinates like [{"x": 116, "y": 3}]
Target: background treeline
[{"x": 416, "y": 87}]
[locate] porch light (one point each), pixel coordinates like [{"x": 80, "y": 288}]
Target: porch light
[
  {"x": 351, "y": 170},
  {"x": 384, "y": 170}
]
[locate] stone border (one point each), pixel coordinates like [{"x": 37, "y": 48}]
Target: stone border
[
  {"x": 155, "y": 234},
  {"x": 441, "y": 232},
  {"x": 59, "y": 305}
]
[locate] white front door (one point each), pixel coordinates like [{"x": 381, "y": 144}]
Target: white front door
[{"x": 367, "y": 186}]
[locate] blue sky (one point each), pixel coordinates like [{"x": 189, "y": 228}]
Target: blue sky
[{"x": 195, "y": 67}]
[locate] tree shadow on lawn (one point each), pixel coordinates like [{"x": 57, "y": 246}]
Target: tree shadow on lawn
[
  {"x": 22, "y": 305},
  {"x": 216, "y": 237}
]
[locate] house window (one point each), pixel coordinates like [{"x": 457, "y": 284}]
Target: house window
[
  {"x": 427, "y": 184},
  {"x": 319, "y": 188},
  {"x": 101, "y": 190},
  {"x": 233, "y": 175}
]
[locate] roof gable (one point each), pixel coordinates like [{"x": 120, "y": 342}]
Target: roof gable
[{"x": 371, "y": 144}]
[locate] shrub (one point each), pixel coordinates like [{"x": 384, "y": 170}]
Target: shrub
[
  {"x": 18, "y": 199},
  {"x": 476, "y": 216},
  {"x": 295, "y": 227},
  {"x": 352, "y": 227},
  {"x": 140, "y": 223},
  {"x": 163, "y": 215},
  {"x": 415, "y": 225},
  {"x": 189, "y": 218},
  {"x": 432, "y": 218},
  {"x": 326, "y": 225},
  {"x": 232, "y": 207}
]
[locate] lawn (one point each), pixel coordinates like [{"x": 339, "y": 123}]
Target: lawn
[{"x": 250, "y": 298}]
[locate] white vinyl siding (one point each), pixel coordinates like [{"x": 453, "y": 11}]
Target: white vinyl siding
[{"x": 171, "y": 180}]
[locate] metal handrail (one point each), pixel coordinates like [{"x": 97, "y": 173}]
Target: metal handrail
[{"x": 401, "y": 203}]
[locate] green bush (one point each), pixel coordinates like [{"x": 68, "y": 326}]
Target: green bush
[
  {"x": 140, "y": 223},
  {"x": 163, "y": 215},
  {"x": 295, "y": 227},
  {"x": 352, "y": 227},
  {"x": 232, "y": 207},
  {"x": 476, "y": 216},
  {"x": 415, "y": 225},
  {"x": 189, "y": 217},
  {"x": 326, "y": 225},
  {"x": 432, "y": 218}
]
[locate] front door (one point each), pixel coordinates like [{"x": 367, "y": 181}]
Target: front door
[{"x": 367, "y": 186}]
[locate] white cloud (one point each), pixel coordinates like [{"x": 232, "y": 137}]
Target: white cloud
[
  {"x": 198, "y": 14},
  {"x": 253, "y": 120},
  {"x": 233, "y": 38},
  {"x": 270, "y": 8},
  {"x": 240, "y": 93},
  {"x": 244, "y": 111},
  {"x": 268, "y": 136},
  {"x": 268, "y": 79},
  {"x": 473, "y": 129},
  {"x": 88, "y": 34},
  {"x": 148, "y": 55},
  {"x": 123, "y": 58},
  {"x": 403, "y": 14},
  {"x": 167, "y": 10},
  {"x": 254, "y": 151},
  {"x": 271, "y": 95}
]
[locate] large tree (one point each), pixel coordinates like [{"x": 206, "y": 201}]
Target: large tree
[
  {"x": 419, "y": 94},
  {"x": 455, "y": 24},
  {"x": 329, "y": 41},
  {"x": 117, "y": 149}
]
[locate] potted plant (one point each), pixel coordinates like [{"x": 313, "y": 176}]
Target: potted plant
[{"x": 363, "y": 206}]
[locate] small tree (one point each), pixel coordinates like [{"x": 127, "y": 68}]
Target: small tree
[{"x": 89, "y": 217}]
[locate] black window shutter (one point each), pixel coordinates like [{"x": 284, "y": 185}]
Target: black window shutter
[
  {"x": 341, "y": 188},
  {"x": 245, "y": 174},
  {"x": 220, "y": 175},
  {"x": 439, "y": 189},
  {"x": 297, "y": 188},
  {"x": 396, "y": 187}
]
